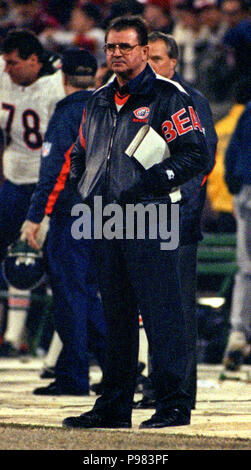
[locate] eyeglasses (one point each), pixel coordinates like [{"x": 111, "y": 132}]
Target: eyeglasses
[{"x": 124, "y": 48}]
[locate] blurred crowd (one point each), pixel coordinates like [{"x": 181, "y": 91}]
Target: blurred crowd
[{"x": 214, "y": 36}]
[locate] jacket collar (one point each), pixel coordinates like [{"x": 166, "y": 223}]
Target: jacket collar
[
  {"x": 176, "y": 77},
  {"x": 142, "y": 84}
]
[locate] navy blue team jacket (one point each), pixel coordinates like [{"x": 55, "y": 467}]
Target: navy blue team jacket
[
  {"x": 238, "y": 154},
  {"x": 194, "y": 191},
  {"x": 53, "y": 193}
]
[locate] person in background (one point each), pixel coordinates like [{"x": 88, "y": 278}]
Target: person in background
[
  {"x": 78, "y": 315},
  {"x": 226, "y": 62},
  {"x": 30, "y": 87},
  {"x": 116, "y": 8},
  {"x": 30, "y": 14},
  {"x": 219, "y": 213},
  {"x": 191, "y": 36},
  {"x": 238, "y": 180},
  {"x": 237, "y": 39},
  {"x": 163, "y": 58},
  {"x": 83, "y": 30},
  {"x": 54, "y": 8},
  {"x": 232, "y": 12},
  {"x": 158, "y": 17},
  {"x": 6, "y": 18},
  {"x": 210, "y": 15}
]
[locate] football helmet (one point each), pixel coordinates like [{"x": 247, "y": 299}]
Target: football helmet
[{"x": 23, "y": 267}]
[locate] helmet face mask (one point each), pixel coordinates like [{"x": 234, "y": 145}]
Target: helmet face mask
[{"x": 23, "y": 267}]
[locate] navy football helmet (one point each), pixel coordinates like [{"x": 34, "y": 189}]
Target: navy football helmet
[{"x": 23, "y": 267}]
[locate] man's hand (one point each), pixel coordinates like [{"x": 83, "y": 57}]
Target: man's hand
[
  {"x": 29, "y": 232},
  {"x": 152, "y": 181},
  {"x": 35, "y": 233}
]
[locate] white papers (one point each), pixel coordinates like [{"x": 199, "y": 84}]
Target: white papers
[{"x": 149, "y": 148}]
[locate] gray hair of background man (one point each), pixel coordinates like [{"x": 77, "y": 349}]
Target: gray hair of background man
[
  {"x": 81, "y": 82},
  {"x": 171, "y": 45}
]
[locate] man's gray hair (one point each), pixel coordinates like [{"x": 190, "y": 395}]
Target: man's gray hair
[
  {"x": 171, "y": 44},
  {"x": 80, "y": 81}
]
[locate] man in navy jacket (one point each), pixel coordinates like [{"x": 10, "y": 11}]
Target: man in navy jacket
[
  {"x": 134, "y": 273},
  {"x": 238, "y": 180},
  {"x": 78, "y": 313}
]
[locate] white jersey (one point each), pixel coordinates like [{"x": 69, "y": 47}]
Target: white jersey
[{"x": 24, "y": 116}]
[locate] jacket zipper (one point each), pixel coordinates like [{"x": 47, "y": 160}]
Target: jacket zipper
[{"x": 108, "y": 158}]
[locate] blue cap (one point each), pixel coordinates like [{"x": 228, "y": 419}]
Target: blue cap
[{"x": 78, "y": 61}]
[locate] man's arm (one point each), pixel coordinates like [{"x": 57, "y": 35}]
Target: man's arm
[
  {"x": 233, "y": 180},
  {"x": 203, "y": 109},
  {"x": 77, "y": 157},
  {"x": 54, "y": 170},
  {"x": 191, "y": 188},
  {"x": 206, "y": 118},
  {"x": 186, "y": 140}
]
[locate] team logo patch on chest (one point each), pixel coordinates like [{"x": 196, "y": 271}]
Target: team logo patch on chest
[{"x": 141, "y": 114}]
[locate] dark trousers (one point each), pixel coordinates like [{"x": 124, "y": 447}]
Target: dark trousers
[
  {"x": 79, "y": 318},
  {"x": 14, "y": 204},
  {"x": 136, "y": 276},
  {"x": 188, "y": 283}
]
